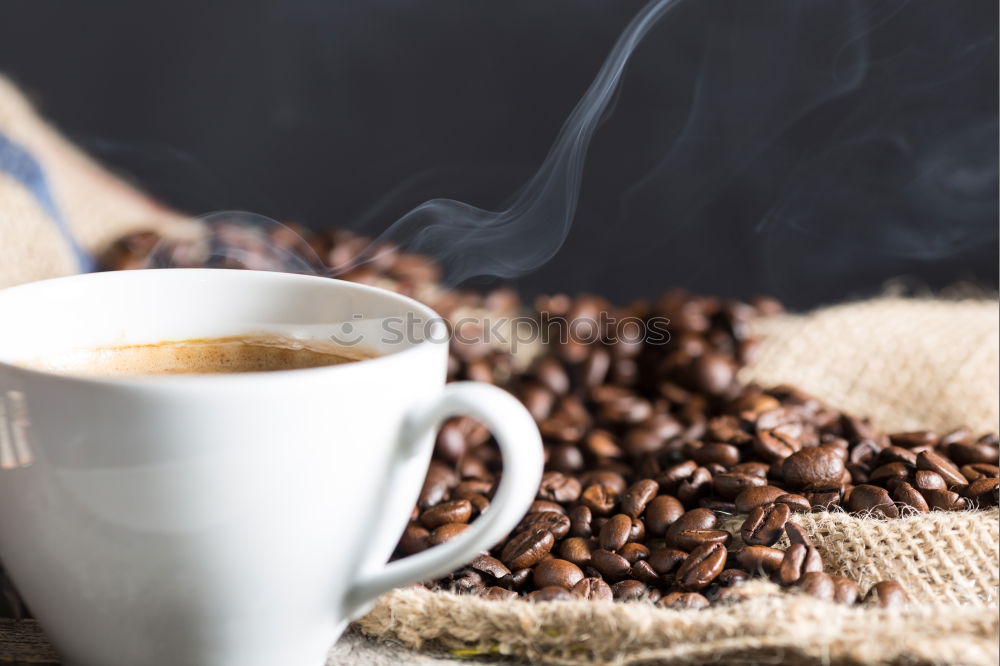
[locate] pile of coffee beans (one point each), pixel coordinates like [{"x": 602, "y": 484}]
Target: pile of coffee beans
[{"x": 647, "y": 444}]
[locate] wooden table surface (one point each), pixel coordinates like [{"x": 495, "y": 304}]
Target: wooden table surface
[{"x": 22, "y": 642}]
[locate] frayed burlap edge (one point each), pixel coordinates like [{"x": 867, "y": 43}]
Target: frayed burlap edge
[
  {"x": 787, "y": 628},
  {"x": 947, "y": 561}
]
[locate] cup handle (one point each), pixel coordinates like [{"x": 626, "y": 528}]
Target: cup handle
[{"x": 521, "y": 448}]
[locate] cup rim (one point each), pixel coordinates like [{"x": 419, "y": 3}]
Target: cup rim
[{"x": 206, "y": 379}]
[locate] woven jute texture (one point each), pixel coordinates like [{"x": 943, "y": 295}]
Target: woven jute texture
[
  {"x": 908, "y": 364},
  {"x": 788, "y": 629},
  {"x": 97, "y": 207}
]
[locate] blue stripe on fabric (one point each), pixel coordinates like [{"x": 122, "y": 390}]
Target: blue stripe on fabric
[{"x": 16, "y": 161}]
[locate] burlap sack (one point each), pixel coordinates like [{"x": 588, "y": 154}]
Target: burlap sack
[{"x": 57, "y": 206}]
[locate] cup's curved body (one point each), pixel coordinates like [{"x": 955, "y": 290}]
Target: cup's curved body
[{"x": 206, "y": 519}]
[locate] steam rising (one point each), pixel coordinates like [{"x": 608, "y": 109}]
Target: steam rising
[{"x": 469, "y": 241}]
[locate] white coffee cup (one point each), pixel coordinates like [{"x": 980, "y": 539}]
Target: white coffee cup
[{"x": 218, "y": 519}]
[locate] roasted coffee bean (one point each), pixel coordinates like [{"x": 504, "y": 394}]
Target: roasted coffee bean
[
  {"x": 797, "y": 503},
  {"x": 638, "y": 531},
  {"x": 473, "y": 487},
  {"x": 594, "y": 589},
  {"x": 551, "y": 593},
  {"x": 643, "y": 571},
  {"x": 887, "y": 594},
  {"x": 884, "y": 473},
  {"x": 490, "y": 566},
  {"x": 717, "y": 505},
  {"x": 552, "y": 375},
  {"x": 566, "y": 458},
  {"x": 539, "y": 401},
  {"x": 823, "y": 496},
  {"x": 611, "y": 565},
  {"x": 909, "y": 496},
  {"x": 577, "y": 550},
  {"x": 638, "y": 496},
  {"x": 558, "y": 487},
  {"x": 872, "y": 500},
  {"x": 892, "y": 454},
  {"x": 729, "y": 485},
  {"x": 798, "y": 561},
  {"x": 760, "y": 560},
  {"x": 971, "y": 453},
  {"x": 691, "y": 539},
  {"x": 910, "y": 440},
  {"x": 934, "y": 462},
  {"x": 496, "y": 593},
  {"x": 695, "y": 519},
  {"x": 432, "y": 492},
  {"x": 468, "y": 580},
  {"x": 845, "y": 590},
  {"x": 639, "y": 442},
  {"x": 615, "y": 533},
  {"x": 983, "y": 492},
  {"x": 818, "y": 584},
  {"x": 633, "y": 552},
  {"x": 702, "y": 566},
  {"x": 454, "y": 511},
  {"x": 775, "y": 446},
  {"x": 479, "y": 504},
  {"x": 661, "y": 513},
  {"x": 629, "y": 590},
  {"x": 527, "y": 548},
  {"x": 713, "y": 373},
  {"x": 694, "y": 486},
  {"x": 765, "y": 525},
  {"x": 671, "y": 477},
  {"x": 451, "y": 443},
  {"x": 540, "y": 506},
  {"x": 665, "y": 560},
  {"x": 561, "y": 428},
  {"x": 518, "y": 579},
  {"x": 978, "y": 471},
  {"x": 610, "y": 479},
  {"x": 474, "y": 467},
  {"x": 601, "y": 444},
  {"x": 556, "y": 523},
  {"x": 414, "y": 540},
  {"x": 751, "y": 498},
  {"x": 683, "y": 601},
  {"x": 716, "y": 452},
  {"x": 600, "y": 499},
  {"x": 445, "y": 533},
  {"x": 928, "y": 480},
  {"x": 751, "y": 468},
  {"x": 557, "y": 572},
  {"x": 580, "y": 519},
  {"x": 944, "y": 500},
  {"x": 797, "y": 534},
  {"x": 812, "y": 466},
  {"x": 732, "y": 577}
]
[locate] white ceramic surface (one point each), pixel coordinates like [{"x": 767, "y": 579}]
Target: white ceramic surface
[{"x": 226, "y": 519}]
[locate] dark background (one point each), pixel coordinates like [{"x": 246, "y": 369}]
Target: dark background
[{"x": 810, "y": 150}]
